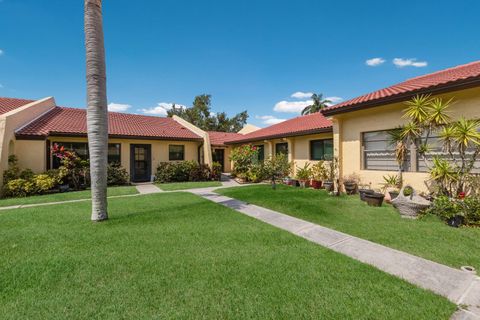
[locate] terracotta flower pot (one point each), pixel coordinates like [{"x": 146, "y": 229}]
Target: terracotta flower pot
[{"x": 316, "y": 184}]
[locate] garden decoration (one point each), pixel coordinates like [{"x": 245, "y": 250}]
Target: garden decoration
[{"x": 410, "y": 206}]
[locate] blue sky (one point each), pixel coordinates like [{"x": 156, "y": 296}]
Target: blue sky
[{"x": 250, "y": 55}]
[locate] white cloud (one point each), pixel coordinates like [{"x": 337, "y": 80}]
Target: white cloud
[
  {"x": 1, "y": 51},
  {"x": 1, "y": 86},
  {"x": 400, "y": 62},
  {"x": 334, "y": 100},
  {"x": 291, "y": 106},
  {"x": 269, "y": 119},
  {"x": 118, "y": 107},
  {"x": 374, "y": 62},
  {"x": 302, "y": 95},
  {"x": 161, "y": 108}
]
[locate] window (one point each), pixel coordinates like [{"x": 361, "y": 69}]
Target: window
[
  {"x": 321, "y": 149},
  {"x": 261, "y": 152},
  {"x": 435, "y": 149},
  {"x": 176, "y": 152},
  {"x": 81, "y": 149},
  {"x": 113, "y": 152},
  {"x": 379, "y": 152},
  {"x": 281, "y": 148}
]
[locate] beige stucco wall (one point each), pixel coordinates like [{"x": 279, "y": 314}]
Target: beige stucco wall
[
  {"x": 348, "y": 129},
  {"x": 159, "y": 149},
  {"x": 248, "y": 128},
  {"x": 15, "y": 119},
  {"x": 298, "y": 148}
]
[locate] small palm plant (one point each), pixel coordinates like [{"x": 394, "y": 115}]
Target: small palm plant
[{"x": 429, "y": 119}]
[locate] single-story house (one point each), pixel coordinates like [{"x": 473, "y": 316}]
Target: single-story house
[
  {"x": 304, "y": 139},
  {"x": 360, "y": 125},
  {"x": 355, "y": 131},
  {"x": 29, "y": 129}
]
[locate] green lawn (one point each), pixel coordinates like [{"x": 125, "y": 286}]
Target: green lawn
[
  {"x": 179, "y": 256},
  {"x": 428, "y": 237},
  {"x": 74, "y": 195},
  {"x": 174, "y": 186}
]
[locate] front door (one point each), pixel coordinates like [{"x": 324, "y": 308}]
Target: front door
[
  {"x": 140, "y": 162},
  {"x": 219, "y": 156}
]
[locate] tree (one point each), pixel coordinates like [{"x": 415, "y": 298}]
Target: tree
[
  {"x": 97, "y": 113},
  {"x": 318, "y": 104},
  {"x": 430, "y": 124},
  {"x": 201, "y": 116}
]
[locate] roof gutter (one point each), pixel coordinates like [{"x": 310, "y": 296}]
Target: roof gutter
[
  {"x": 443, "y": 88},
  {"x": 276, "y": 136}
]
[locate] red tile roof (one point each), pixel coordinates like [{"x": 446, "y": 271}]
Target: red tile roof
[
  {"x": 313, "y": 123},
  {"x": 456, "y": 78},
  {"x": 9, "y": 104},
  {"x": 70, "y": 121},
  {"x": 218, "y": 138}
]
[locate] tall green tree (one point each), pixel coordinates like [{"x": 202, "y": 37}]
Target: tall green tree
[
  {"x": 97, "y": 112},
  {"x": 200, "y": 115},
  {"x": 318, "y": 104}
]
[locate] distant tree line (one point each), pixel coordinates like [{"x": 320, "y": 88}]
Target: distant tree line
[{"x": 200, "y": 115}]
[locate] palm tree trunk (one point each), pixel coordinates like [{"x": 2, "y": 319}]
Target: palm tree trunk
[{"x": 97, "y": 113}]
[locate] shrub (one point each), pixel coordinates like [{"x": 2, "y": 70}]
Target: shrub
[
  {"x": 117, "y": 175},
  {"x": 13, "y": 171},
  {"x": 319, "y": 172},
  {"x": 216, "y": 173},
  {"x": 276, "y": 168},
  {"x": 42, "y": 183},
  {"x": 446, "y": 208},
  {"x": 243, "y": 158},
  {"x": 199, "y": 172},
  {"x": 304, "y": 173},
  {"x": 256, "y": 173},
  {"x": 182, "y": 171},
  {"x": 16, "y": 188}
]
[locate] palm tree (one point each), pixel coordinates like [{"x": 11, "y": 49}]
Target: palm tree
[
  {"x": 318, "y": 104},
  {"x": 97, "y": 113}
]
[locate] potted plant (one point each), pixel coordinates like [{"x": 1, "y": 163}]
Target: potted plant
[
  {"x": 374, "y": 199},
  {"x": 351, "y": 182},
  {"x": 364, "y": 189},
  {"x": 331, "y": 173},
  {"x": 319, "y": 174},
  {"x": 304, "y": 174},
  {"x": 391, "y": 184}
]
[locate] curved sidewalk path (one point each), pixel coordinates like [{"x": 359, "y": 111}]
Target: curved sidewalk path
[{"x": 460, "y": 287}]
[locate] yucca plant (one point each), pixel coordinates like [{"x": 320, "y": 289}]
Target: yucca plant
[{"x": 430, "y": 117}]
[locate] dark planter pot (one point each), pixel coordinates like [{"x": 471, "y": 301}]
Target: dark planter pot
[
  {"x": 374, "y": 199},
  {"x": 63, "y": 188},
  {"x": 350, "y": 187},
  {"x": 328, "y": 185},
  {"x": 393, "y": 194},
  {"x": 363, "y": 192},
  {"x": 316, "y": 184},
  {"x": 295, "y": 183},
  {"x": 455, "y": 221}
]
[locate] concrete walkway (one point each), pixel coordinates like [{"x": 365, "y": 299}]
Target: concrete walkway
[
  {"x": 460, "y": 287},
  {"x": 147, "y": 188}
]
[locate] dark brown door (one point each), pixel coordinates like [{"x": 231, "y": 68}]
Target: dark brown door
[
  {"x": 219, "y": 156},
  {"x": 140, "y": 162}
]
